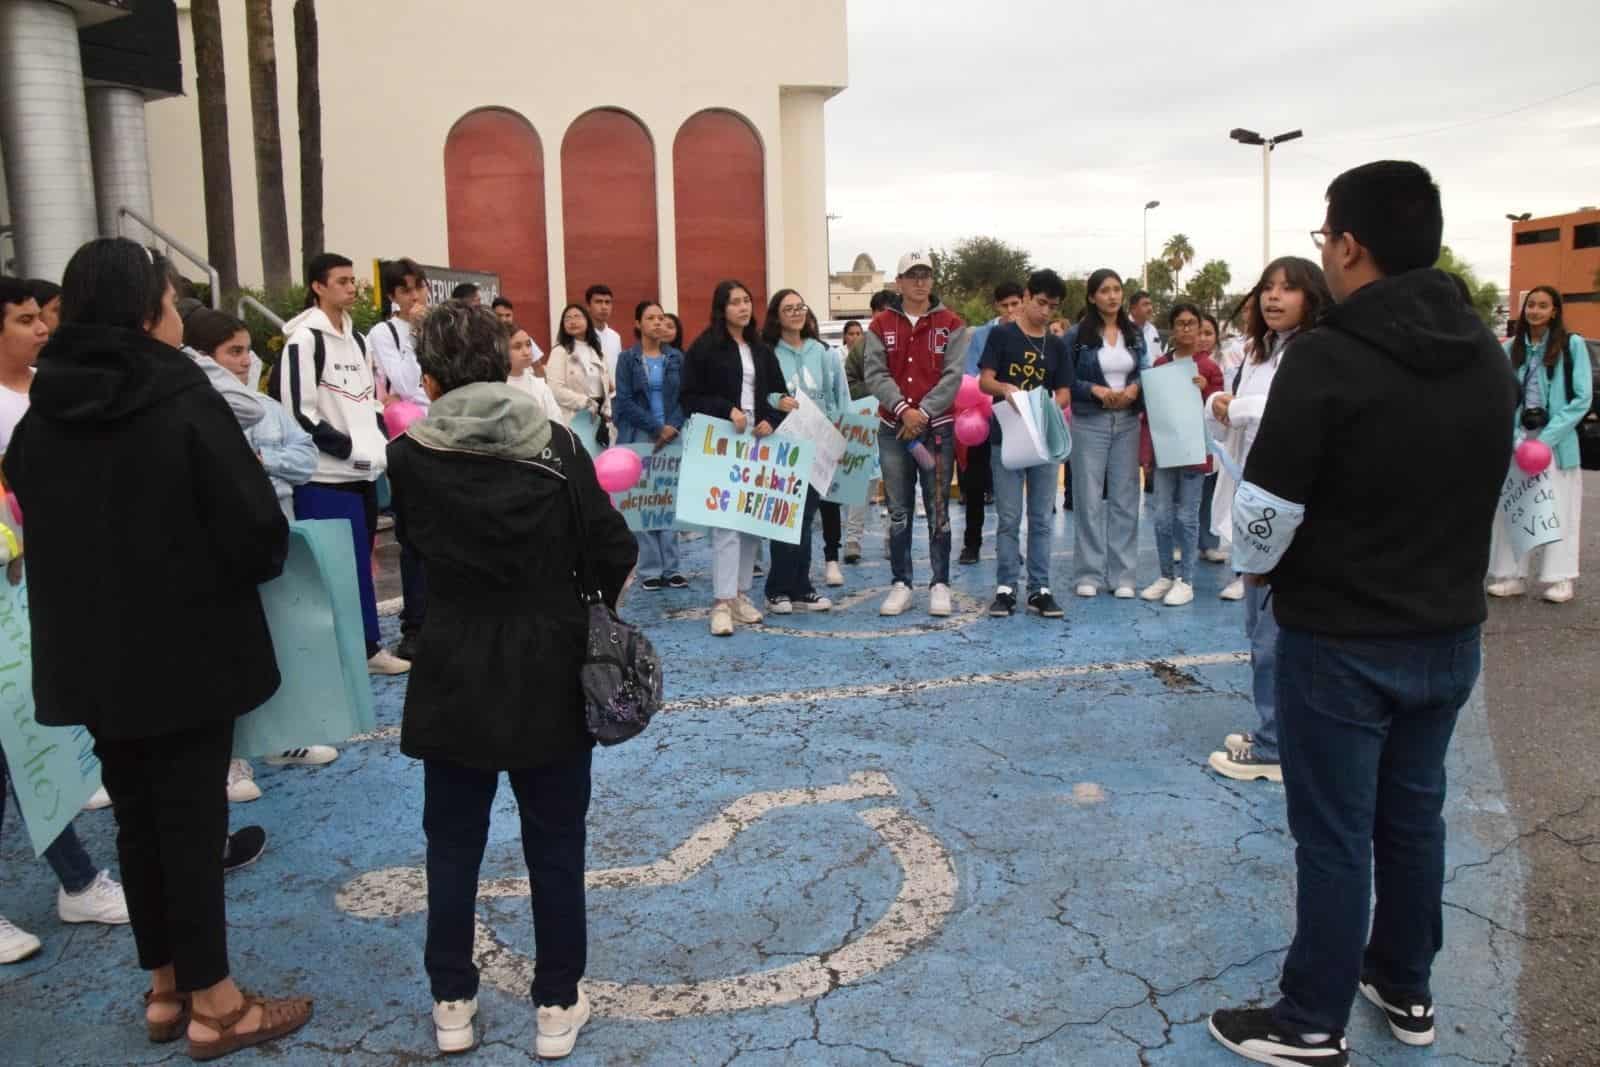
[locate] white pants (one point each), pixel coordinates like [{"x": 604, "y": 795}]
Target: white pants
[
  {"x": 1560, "y": 560},
  {"x": 733, "y": 561}
]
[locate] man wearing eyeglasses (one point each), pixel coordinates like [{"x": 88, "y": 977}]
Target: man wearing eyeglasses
[{"x": 1386, "y": 442}]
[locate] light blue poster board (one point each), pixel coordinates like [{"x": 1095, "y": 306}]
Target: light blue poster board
[
  {"x": 735, "y": 481},
  {"x": 1173, "y": 405},
  {"x": 53, "y": 769},
  {"x": 652, "y": 503},
  {"x": 586, "y": 425},
  {"x": 314, "y": 614},
  {"x": 1528, "y": 504},
  {"x": 860, "y": 462}
]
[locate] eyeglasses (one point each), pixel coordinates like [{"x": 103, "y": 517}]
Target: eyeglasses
[
  {"x": 794, "y": 309},
  {"x": 1320, "y": 237}
]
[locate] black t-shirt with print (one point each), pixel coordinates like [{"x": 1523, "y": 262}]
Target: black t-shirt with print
[{"x": 1025, "y": 362}]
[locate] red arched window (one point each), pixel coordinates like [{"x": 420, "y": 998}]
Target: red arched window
[
  {"x": 608, "y": 206},
  {"x": 720, "y": 201}
]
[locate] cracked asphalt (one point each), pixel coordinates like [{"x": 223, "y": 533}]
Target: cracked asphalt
[{"x": 1109, "y": 890}]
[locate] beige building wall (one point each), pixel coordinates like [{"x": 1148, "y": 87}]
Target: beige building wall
[{"x": 397, "y": 74}]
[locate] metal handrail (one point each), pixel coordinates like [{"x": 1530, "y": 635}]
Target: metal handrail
[
  {"x": 178, "y": 246},
  {"x": 260, "y": 309}
]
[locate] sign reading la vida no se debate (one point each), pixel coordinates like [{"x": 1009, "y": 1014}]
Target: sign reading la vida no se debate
[{"x": 737, "y": 481}]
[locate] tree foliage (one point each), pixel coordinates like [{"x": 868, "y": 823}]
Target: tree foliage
[
  {"x": 1209, "y": 286},
  {"x": 975, "y": 265},
  {"x": 1178, "y": 253},
  {"x": 1485, "y": 295}
]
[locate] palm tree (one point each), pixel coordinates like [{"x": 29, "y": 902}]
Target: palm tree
[
  {"x": 269, "y": 144},
  {"x": 1209, "y": 286},
  {"x": 216, "y": 171},
  {"x": 308, "y": 93},
  {"x": 1178, "y": 253}
]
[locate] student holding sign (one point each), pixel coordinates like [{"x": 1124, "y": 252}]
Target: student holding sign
[
  {"x": 1022, "y": 354},
  {"x": 1557, "y": 382},
  {"x": 730, "y": 373},
  {"x": 649, "y": 410}
]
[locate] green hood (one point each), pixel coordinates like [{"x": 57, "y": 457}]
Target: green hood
[{"x": 489, "y": 418}]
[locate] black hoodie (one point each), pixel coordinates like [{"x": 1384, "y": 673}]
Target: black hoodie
[
  {"x": 1390, "y": 422},
  {"x": 149, "y": 524}
]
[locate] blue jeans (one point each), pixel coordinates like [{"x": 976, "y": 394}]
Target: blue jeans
[
  {"x": 1261, "y": 627},
  {"x": 1105, "y": 452},
  {"x": 901, "y": 476},
  {"x": 1178, "y": 519},
  {"x": 66, "y": 854},
  {"x": 790, "y": 573},
  {"x": 552, "y": 802},
  {"x": 1208, "y": 540},
  {"x": 1040, "y": 485},
  {"x": 1365, "y": 727},
  {"x": 658, "y": 553}
]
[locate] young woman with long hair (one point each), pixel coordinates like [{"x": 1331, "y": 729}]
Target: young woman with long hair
[
  {"x": 648, "y": 411},
  {"x": 525, "y": 375},
  {"x": 1552, "y": 366},
  {"x": 576, "y": 371},
  {"x": 1290, "y": 297}
]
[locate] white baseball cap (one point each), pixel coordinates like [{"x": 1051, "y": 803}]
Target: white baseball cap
[{"x": 911, "y": 260}]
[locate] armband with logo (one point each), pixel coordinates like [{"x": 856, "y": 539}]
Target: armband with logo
[{"x": 1263, "y": 527}]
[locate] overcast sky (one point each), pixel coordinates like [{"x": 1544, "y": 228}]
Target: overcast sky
[{"x": 1042, "y": 123}]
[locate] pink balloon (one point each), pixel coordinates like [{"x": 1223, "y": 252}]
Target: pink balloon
[
  {"x": 399, "y": 415},
  {"x": 969, "y": 395},
  {"x": 1533, "y": 456},
  {"x": 618, "y": 469},
  {"x": 972, "y": 428}
]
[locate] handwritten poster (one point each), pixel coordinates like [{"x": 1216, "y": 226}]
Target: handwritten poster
[
  {"x": 859, "y": 464},
  {"x": 652, "y": 503},
  {"x": 811, "y": 424},
  {"x": 1177, "y": 416},
  {"x": 585, "y": 425},
  {"x": 1529, "y": 506},
  {"x": 53, "y": 769},
  {"x": 736, "y": 481}
]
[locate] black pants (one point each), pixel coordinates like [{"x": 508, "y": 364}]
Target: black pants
[
  {"x": 832, "y": 530},
  {"x": 1066, "y": 494},
  {"x": 975, "y": 481},
  {"x": 171, "y": 804},
  {"x": 553, "y": 802}
]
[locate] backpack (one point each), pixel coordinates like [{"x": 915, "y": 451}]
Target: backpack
[
  {"x": 1589, "y": 425},
  {"x": 319, "y": 357}
]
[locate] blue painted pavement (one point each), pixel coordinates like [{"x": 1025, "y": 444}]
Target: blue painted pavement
[{"x": 954, "y": 841}]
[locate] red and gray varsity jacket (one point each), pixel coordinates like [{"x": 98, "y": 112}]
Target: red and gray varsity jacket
[{"x": 909, "y": 366}]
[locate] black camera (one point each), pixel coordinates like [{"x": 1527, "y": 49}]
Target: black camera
[{"x": 1535, "y": 419}]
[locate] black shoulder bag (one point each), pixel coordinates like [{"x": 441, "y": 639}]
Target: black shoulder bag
[{"x": 621, "y": 672}]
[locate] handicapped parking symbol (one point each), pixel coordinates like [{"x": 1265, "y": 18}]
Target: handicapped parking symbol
[{"x": 925, "y": 899}]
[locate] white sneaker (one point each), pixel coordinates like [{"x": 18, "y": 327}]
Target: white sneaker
[
  {"x": 242, "y": 788},
  {"x": 452, "y": 1024},
  {"x": 1087, "y": 590},
  {"x": 310, "y": 756},
  {"x": 102, "y": 902},
  {"x": 98, "y": 800},
  {"x": 558, "y": 1028},
  {"x": 745, "y": 613},
  {"x": 1180, "y": 594},
  {"x": 1233, "y": 591},
  {"x": 1156, "y": 589},
  {"x": 834, "y": 576},
  {"x": 16, "y": 944},
  {"x": 898, "y": 600},
  {"x": 939, "y": 600},
  {"x": 721, "y": 620},
  {"x": 385, "y": 662},
  {"x": 1560, "y": 593},
  {"x": 781, "y": 605},
  {"x": 1124, "y": 592},
  {"x": 1508, "y": 587}
]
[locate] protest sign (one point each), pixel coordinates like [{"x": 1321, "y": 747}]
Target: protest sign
[
  {"x": 585, "y": 424},
  {"x": 1529, "y": 506},
  {"x": 53, "y": 769},
  {"x": 1032, "y": 430},
  {"x": 736, "y": 481},
  {"x": 652, "y": 503},
  {"x": 314, "y": 615},
  {"x": 1176, "y": 413},
  {"x": 859, "y": 464},
  {"x": 810, "y": 423}
]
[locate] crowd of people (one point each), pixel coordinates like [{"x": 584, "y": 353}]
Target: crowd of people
[{"x": 482, "y": 440}]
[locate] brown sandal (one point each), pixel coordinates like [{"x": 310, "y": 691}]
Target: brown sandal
[
  {"x": 278, "y": 1018},
  {"x": 174, "y": 1028}
]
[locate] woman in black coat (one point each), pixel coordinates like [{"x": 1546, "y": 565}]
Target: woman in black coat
[
  {"x": 148, "y": 513},
  {"x": 484, "y": 491},
  {"x": 729, "y": 373}
]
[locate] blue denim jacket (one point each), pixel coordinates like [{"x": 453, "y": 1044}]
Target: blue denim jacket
[
  {"x": 630, "y": 409},
  {"x": 1086, "y": 372}
]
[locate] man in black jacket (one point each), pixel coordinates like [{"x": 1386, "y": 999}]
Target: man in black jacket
[{"x": 1367, "y": 504}]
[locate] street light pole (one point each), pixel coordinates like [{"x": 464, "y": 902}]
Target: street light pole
[
  {"x": 1251, "y": 137},
  {"x": 829, "y": 246},
  {"x": 1144, "y": 262}
]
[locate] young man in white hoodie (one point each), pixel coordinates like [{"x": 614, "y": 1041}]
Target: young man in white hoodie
[{"x": 324, "y": 378}]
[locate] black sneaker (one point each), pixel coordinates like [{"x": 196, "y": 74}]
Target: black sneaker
[
  {"x": 243, "y": 847},
  {"x": 1410, "y": 1019},
  {"x": 407, "y": 648},
  {"x": 758, "y": 570},
  {"x": 1005, "y": 602},
  {"x": 677, "y": 581},
  {"x": 968, "y": 556},
  {"x": 653, "y": 585},
  {"x": 1254, "y": 1034},
  {"x": 1045, "y": 605}
]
